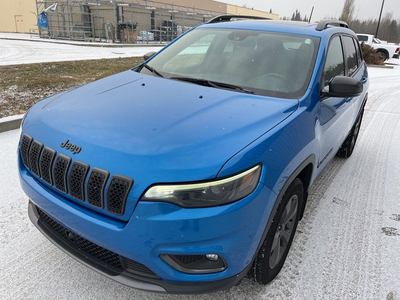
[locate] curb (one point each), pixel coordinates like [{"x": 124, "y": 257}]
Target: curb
[
  {"x": 10, "y": 123},
  {"x": 380, "y": 66}
]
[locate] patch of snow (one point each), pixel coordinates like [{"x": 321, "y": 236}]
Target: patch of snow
[
  {"x": 14, "y": 52},
  {"x": 11, "y": 118}
]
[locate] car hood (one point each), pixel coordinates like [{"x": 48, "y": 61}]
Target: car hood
[{"x": 154, "y": 129}]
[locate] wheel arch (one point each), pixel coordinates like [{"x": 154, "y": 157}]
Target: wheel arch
[
  {"x": 383, "y": 51},
  {"x": 304, "y": 172},
  {"x": 305, "y": 176}
]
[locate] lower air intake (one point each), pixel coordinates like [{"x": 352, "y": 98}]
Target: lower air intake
[{"x": 96, "y": 253}]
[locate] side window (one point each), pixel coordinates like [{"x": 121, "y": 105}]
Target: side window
[
  {"x": 359, "y": 53},
  {"x": 334, "y": 64},
  {"x": 351, "y": 56}
]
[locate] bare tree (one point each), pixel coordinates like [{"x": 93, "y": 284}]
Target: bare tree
[{"x": 348, "y": 11}]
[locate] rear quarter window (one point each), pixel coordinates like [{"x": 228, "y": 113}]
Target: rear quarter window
[{"x": 362, "y": 38}]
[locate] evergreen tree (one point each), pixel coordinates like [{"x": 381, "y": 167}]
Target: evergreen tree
[{"x": 296, "y": 16}]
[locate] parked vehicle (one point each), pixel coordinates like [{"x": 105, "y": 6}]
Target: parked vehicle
[
  {"x": 384, "y": 49},
  {"x": 192, "y": 170}
]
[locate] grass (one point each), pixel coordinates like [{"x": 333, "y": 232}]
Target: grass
[{"x": 21, "y": 86}]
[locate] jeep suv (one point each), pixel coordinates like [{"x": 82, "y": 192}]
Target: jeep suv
[{"x": 192, "y": 170}]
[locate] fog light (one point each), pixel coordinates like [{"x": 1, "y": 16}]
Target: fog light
[
  {"x": 212, "y": 257},
  {"x": 195, "y": 263}
]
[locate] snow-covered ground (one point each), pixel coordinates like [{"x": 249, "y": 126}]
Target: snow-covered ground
[
  {"x": 346, "y": 247},
  {"x": 14, "y": 51}
]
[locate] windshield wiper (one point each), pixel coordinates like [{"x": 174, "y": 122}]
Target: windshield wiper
[
  {"x": 152, "y": 70},
  {"x": 215, "y": 84}
]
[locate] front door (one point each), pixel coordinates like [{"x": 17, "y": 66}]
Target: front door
[{"x": 335, "y": 113}]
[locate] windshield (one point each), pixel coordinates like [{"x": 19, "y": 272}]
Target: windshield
[{"x": 259, "y": 62}]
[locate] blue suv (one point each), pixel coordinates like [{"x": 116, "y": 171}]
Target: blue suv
[{"x": 192, "y": 170}]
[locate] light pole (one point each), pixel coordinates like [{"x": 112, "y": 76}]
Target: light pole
[{"x": 379, "y": 21}]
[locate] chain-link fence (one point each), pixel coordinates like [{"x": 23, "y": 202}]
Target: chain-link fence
[{"x": 136, "y": 21}]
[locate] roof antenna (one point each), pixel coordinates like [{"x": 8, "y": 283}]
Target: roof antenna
[{"x": 312, "y": 10}]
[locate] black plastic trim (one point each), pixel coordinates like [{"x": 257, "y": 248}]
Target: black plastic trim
[
  {"x": 122, "y": 199},
  {"x": 174, "y": 264},
  {"x": 37, "y": 147},
  {"x": 227, "y": 18},
  {"x": 48, "y": 171},
  {"x": 74, "y": 193},
  {"x": 62, "y": 187},
  {"x": 293, "y": 176},
  {"x": 106, "y": 174},
  {"x": 25, "y": 145},
  {"x": 324, "y": 24}
]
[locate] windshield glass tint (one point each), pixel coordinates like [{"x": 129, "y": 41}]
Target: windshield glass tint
[{"x": 270, "y": 64}]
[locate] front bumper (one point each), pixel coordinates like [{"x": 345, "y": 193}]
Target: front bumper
[
  {"x": 125, "y": 277},
  {"x": 232, "y": 231}
]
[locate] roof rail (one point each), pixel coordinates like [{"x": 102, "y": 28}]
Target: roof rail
[
  {"x": 324, "y": 24},
  {"x": 227, "y": 18}
]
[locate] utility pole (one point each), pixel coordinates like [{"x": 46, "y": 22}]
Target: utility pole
[
  {"x": 312, "y": 10},
  {"x": 379, "y": 21}
]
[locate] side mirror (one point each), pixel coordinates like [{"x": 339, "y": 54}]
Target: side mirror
[
  {"x": 148, "y": 55},
  {"x": 345, "y": 87}
]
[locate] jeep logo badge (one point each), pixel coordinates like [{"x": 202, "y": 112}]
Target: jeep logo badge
[{"x": 73, "y": 148}]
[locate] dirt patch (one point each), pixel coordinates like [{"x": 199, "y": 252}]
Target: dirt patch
[
  {"x": 396, "y": 217},
  {"x": 390, "y": 231},
  {"x": 21, "y": 86},
  {"x": 340, "y": 201}
]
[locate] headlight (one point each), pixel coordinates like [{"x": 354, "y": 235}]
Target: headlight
[{"x": 204, "y": 194}]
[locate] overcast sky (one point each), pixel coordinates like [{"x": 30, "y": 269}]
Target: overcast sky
[{"x": 365, "y": 9}]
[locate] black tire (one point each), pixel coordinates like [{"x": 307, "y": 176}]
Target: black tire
[
  {"x": 346, "y": 149},
  {"x": 275, "y": 248},
  {"x": 383, "y": 56}
]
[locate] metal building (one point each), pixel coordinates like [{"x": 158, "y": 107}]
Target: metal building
[
  {"x": 119, "y": 21},
  {"x": 126, "y": 21}
]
